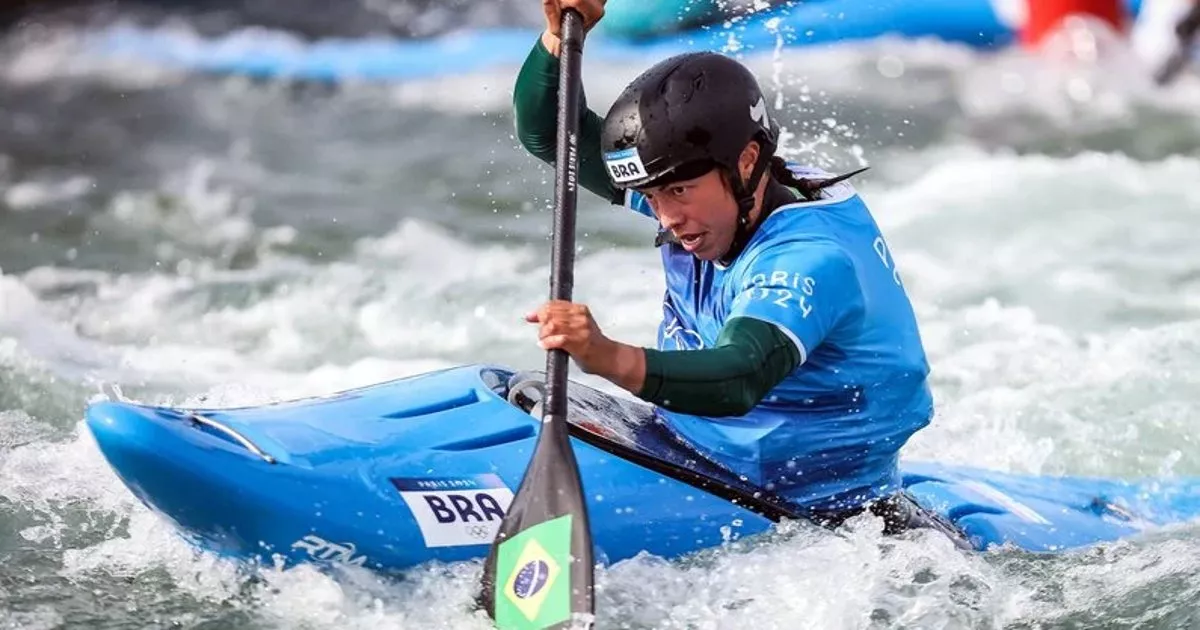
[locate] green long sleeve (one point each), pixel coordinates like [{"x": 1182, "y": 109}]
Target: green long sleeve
[
  {"x": 535, "y": 104},
  {"x": 749, "y": 359}
]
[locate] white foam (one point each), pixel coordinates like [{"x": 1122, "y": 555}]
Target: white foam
[
  {"x": 30, "y": 195},
  {"x": 44, "y": 475},
  {"x": 17, "y": 428},
  {"x": 189, "y": 209},
  {"x": 40, "y": 54},
  {"x": 42, "y": 617},
  {"x": 807, "y": 579}
]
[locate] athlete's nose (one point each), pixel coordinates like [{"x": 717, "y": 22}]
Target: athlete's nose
[{"x": 670, "y": 220}]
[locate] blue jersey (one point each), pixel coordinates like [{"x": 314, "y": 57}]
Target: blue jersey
[{"x": 828, "y": 436}]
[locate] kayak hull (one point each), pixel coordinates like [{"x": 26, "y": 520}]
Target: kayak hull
[{"x": 421, "y": 469}]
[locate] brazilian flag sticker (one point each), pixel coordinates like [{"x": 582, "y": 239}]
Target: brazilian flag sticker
[{"x": 533, "y": 577}]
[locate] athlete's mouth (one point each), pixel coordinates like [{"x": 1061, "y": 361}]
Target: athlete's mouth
[{"x": 691, "y": 241}]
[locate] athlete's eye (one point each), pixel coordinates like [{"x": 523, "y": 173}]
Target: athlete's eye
[{"x": 677, "y": 191}]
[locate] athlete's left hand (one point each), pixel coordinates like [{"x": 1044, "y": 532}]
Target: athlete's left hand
[{"x": 570, "y": 327}]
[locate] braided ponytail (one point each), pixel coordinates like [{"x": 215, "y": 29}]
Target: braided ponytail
[{"x": 810, "y": 189}]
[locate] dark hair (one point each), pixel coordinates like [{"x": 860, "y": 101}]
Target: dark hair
[{"x": 809, "y": 188}]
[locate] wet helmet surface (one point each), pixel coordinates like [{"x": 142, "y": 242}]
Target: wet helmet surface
[{"x": 683, "y": 116}]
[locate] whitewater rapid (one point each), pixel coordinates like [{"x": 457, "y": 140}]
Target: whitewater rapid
[{"x": 177, "y": 239}]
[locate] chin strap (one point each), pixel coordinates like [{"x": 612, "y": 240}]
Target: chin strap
[{"x": 744, "y": 193}]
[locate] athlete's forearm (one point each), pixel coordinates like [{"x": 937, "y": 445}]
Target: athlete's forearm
[
  {"x": 535, "y": 106},
  {"x": 624, "y": 366},
  {"x": 750, "y": 358}
]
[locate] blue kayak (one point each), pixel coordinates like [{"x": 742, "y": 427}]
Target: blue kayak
[
  {"x": 975, "y": 23},
  {"x": 418, "y": 469}
]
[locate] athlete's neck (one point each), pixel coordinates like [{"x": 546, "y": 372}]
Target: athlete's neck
[{"x": 771, "y": 196}]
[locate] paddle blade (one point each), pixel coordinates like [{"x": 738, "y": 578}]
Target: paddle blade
[{"x": 539, "y": 573}]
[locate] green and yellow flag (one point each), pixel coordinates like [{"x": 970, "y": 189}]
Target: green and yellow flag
[{"x": 532, "y": 590}]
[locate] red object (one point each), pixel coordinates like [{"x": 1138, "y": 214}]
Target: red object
[{"x": 1045, "y": 16}]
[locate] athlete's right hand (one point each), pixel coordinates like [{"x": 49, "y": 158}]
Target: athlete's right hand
[{"x": 591, "y": 10}]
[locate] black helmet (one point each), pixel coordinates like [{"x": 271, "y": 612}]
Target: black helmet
[{"x": 682, "y": 117}]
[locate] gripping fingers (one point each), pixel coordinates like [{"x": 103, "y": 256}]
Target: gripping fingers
[
  {"x": 553, "y": 342},
  {"x": 553, "y": 11},
  {"x": 550, "y": 327},
  {"x": 591, "y": 10}
]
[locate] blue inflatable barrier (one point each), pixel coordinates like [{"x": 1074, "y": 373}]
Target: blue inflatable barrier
[{"x": 275, "y": 55}]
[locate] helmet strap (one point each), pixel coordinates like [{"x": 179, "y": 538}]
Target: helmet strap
[{"x": 743, "y": 192}]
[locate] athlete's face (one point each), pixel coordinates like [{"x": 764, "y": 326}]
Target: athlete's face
[{"x": 701, "y": 212}]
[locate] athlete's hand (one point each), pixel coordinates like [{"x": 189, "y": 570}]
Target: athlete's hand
[
  {"x": 570, "y": 327},
  {"x": 591, "y": 10}
]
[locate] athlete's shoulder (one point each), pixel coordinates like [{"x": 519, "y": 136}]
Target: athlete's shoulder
[
  {"x": 837, "y": 214},
  {"x": 796, "y": 253},
  {"x": 637, "y": 202},
  {"x": 807, "y": 170},
  {"x": 833, "y": 193}
]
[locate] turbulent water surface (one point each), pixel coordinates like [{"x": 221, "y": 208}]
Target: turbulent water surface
[{"x": 191, "y": 238}]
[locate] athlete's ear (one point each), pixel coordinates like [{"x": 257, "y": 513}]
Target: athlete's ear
[{"x": 747, "y": 160}]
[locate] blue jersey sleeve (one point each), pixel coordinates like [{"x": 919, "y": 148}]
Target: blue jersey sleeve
[
  {"x": 804, "y": 288},
  {"x": 637, "y": 202}
]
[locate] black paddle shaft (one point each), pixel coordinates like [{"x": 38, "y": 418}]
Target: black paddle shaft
[
  {"x": 562, "y": 261},
  {"x": 550, "y": 496}
]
